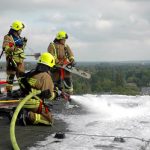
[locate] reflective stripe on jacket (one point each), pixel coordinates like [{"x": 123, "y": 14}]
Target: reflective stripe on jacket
[
  {"x": 42, "y": 81},
  {"x": 13, "y": 51}
]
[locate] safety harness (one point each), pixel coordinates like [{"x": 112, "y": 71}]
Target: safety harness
[{"x": 39, "y": 111}]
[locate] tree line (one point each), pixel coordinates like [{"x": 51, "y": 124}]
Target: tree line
[
  {"x": 110, "y": 78},
  {"x": 113, "y": 78}
]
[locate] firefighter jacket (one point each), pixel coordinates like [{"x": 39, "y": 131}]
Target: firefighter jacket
[
  {"x": 40, "y": 81},
  {"x": 14, "y": 48},
  {"x": 62, "y": 53}
]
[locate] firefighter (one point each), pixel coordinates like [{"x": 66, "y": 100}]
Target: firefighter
[
  {"x": 63, "y": 56},
  {"x": 13, "y": 46},
  {"x": 36, "y": 111}
]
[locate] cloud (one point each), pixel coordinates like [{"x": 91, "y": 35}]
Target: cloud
[
  {"x": 98, "y": 30},
  {"x": 103, "y": 24}
]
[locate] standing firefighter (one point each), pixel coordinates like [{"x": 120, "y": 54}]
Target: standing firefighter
[
  {"x": 13, "y": 46},
  {"x": 63, "y": 55},
  {"x": 36, "y": 111}
]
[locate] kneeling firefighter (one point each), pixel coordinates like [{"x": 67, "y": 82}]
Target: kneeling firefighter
[
  {"x": 13, "y": 46},
  {"x": 36, "y": 111},
  {"x": 63, "y": 56}
]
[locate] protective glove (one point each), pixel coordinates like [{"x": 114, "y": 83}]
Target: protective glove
[
  {"x": 25, "y": 40},
  {"x": 72, "y": 62},
  {"x": 58, "y": 92},
  {"x": 12, "y": 63}
]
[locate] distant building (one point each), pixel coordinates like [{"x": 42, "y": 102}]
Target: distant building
[{"x": 145, "y": 91}]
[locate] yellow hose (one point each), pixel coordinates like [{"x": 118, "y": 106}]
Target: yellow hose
[
  {"x": 15, "y": 115},
  {"x": 9, "y": 101}
]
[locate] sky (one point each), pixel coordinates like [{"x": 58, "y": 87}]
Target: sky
[{"x": 98, "y": 30}]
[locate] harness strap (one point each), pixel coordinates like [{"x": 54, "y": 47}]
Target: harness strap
[
  {"x": 39, "y": 111},
  {"x": 46, "y": 109},
  {"x": 62, "y": 73}
]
